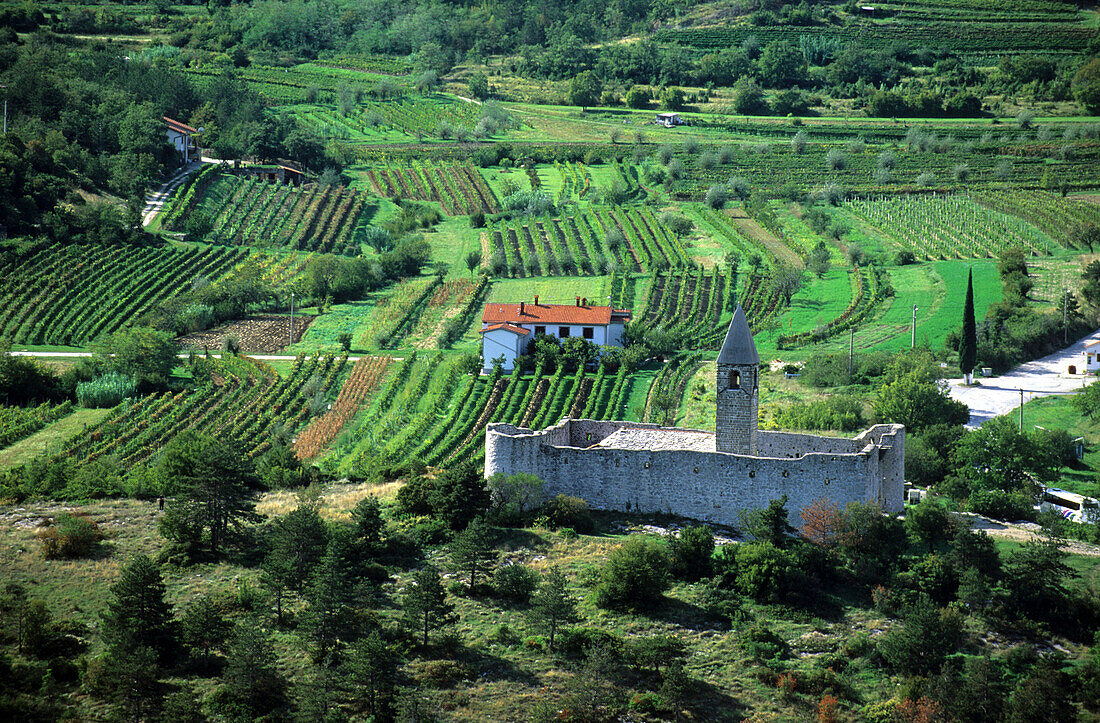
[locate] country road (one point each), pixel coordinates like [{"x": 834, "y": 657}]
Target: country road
[{"x": 1043, "y": 377}]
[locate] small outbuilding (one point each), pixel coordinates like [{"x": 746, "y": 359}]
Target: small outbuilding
[
  {"x": 669, "y": 120},
  {"x": 507, "y": 329}
]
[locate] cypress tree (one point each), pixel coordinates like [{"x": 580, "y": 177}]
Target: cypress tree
[{"x": 968, "y": 345}]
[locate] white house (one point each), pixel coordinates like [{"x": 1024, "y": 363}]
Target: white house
[
  {"x": 507, "y": 329},
  {"x": 1091, "y": 358},
  {"x": 181, "y": 137},
  {"x": 669, "y": 119}
]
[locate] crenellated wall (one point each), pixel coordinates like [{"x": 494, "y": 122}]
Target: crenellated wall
[{"x": 704, "y": 485}]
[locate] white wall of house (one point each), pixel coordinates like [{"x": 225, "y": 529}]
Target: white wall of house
[
  {"x": 501, "y": 342},
  {"x": 1091, "y": 356}
]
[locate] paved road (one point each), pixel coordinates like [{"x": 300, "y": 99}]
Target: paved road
[{"x": 1040, "y": 378}]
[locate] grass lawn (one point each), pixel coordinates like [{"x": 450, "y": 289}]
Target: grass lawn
[
  {"x": 551, "y": 289},
  {"x": 450, "y": 242},
  {"x": 50, "y": 436},
  {"x": 820, "y": 301}
]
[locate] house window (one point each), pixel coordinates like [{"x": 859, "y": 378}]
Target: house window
[
  {"x": 587, "y": 332},
  {"x": 540, "y": 330},
  {"x": 563, "y": 332}
]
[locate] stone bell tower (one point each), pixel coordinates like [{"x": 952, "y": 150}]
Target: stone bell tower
[{"x": 738, "y": 389}]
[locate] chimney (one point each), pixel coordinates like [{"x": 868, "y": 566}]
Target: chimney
[
  {"x": 521, "y": 308},
  {"x": 584, "y": 301},
  {"x": 578, "y": 300},
  {"x": 536, "y": 299}
]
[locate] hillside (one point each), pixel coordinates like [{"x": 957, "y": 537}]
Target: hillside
[{"x": 841, "y": 171}]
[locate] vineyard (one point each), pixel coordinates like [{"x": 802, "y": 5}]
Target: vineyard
[
  {"x": 459, "y": 189},
  {"x": 364, "y": 378},
  {"x": 593, "y": 241},
  {"x": 428, "y": 410},
  {"x": 944, "y": 227},
  {"x": 72, "y": 293},
  {"x": 242, "y": 400},
  {"x": 984, "y": 11},
  {"x": 250, "y": 211},
  {"x": 306, "y": 82},
  {"x": 1051, "y": 213},
  {"x": 690, "y": 304},
  {"x": 870, "y": 286},
  {"x": 19, "y": 422},
  {"x": 395, "y": 120},
  {"x": 975, "y": 39},
  {"x": 991, "y": 161}
]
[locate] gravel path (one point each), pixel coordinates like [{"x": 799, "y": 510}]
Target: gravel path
[
  {"x": 1040, "y": 378},
  {"x": 154, "y": 202}
]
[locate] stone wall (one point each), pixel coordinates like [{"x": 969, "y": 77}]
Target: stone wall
[{"x": 709, "y": 486}]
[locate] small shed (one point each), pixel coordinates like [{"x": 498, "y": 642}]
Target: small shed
[
  {"x": 181, "y": 136},
  {"x": 283, "y": 171},
  {"x": 669, "y": 119}
]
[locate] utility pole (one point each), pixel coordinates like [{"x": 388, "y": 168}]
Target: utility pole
[
  {"x": 1021, "y": 410},
  {"x": 1065, "y": 312},
  {"x": 291, "y": 318},
  {"x": 851, "y": 351},
  {"x": 913, "y": 342}
]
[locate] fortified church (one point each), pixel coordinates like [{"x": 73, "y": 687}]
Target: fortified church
[{"x": 710, "y": 476}]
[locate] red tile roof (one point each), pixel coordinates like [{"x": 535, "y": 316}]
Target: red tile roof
[
  {"x": 551, "y": 314},
  {"x": 507, "y": 327},
  {"x": 179, "y": 127}
]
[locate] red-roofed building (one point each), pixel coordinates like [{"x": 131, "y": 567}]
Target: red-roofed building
[
  {"x": 507, "y": 329},
  {"x": 181, "y": 136}
]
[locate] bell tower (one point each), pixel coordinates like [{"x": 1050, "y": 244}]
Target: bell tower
[{"x": 738, "y": 389}]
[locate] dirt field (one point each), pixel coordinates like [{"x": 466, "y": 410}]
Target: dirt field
[
  {"x": 1024, "y": 532},
  {"x": 265, "y": 334}
]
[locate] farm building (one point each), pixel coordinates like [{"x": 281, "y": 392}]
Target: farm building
[
  {"x": 507, "y": 329},
  {"x": 669, "y": 119},
  {"x": 710, "y": 476},
  {"x": 282, "y": 171},
  {"x": 181, "y": 136},
  {"x": 1090, "y": 359}
]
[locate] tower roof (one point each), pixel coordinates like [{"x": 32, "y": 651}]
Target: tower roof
[{"x": 738, "y": 348}]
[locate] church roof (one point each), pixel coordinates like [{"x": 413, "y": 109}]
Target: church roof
[{"x": 738, "y": 348}]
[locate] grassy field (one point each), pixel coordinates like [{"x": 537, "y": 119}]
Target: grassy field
[{"x": 49, "y": 438}]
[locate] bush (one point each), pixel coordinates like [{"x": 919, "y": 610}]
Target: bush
[
  {"x": 1001, "y": 505},
  {"x": 763, "y": 643},
  {"x": 515, "y": 582},
  {"x": 692, "y": 552},
  {"x": 72, "y": 535},
  {"x": 636, "y": 574},
  {"x": 570, "y": 512},
  {"x": 578, "y": 642}
]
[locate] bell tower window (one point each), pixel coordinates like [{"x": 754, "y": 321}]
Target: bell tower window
[{"x": 735, "y": 379}]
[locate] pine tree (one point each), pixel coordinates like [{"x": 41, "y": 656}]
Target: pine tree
[
  {"x": 472, "y": 550},
  {"x": 212, "y": 488},
  {"x": 552, "y": 606},
  {"x": 968, "y": 345},
  {"x": 374, "y": 665},
  {"x": 425, "y": 605},
  {"x": 137, "y": 613},
  {"x": 203, "y": 626},
  {"x": 330, "y": 595},
  {"x": 253, "y": 686},
  {"x": 297, "y": 543}
]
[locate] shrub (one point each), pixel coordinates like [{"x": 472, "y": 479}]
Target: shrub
[
  {"x": 515, "y": 582},
  {"x": 636, "y": 574},
  {"x": 926, "y": 179},
  {"x": 716, "y": 197},
  {"x": 836, "y": 160},
  {"x": 577, "y": 642},
  {"x": 571, "y": 512},
  {"x": 763, "y": 643},
  {"x": 1001, "y": 505},
  {"x": 72, "y": 535},
  {"x": 691, "y": 553}
]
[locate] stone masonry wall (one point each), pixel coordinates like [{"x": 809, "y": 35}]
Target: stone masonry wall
[{"x": 709, "y": 486}]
